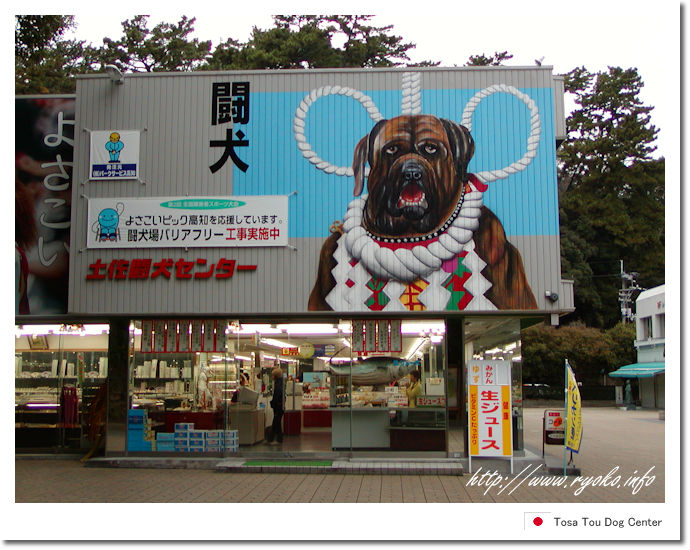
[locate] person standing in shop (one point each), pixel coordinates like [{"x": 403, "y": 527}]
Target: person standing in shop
[
  {"x": 278, "y": 406},
  {"x": 414, "y": 390}
]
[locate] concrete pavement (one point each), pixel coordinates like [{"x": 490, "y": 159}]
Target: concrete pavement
[{"x": 631, "y": 441}]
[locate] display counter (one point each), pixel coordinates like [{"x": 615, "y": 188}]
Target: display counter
[
  {"x": 418, "y": 429},
  {"x": 316, "y": 418},
  {"x": 202, "y": 420},
  {"x": 367, "y": 426},
  {"x": 403, "y": 429},
  {"x": 250, "y": 423}
]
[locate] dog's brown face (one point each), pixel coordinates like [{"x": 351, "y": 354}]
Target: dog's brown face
[{"x": 418, "y": 167}]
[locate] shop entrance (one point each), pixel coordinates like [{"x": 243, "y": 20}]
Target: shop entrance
[
  {"x": 348, "y": 387},
  {"x": 59, "y": 372},
  {"x": 345, "y": 385}
]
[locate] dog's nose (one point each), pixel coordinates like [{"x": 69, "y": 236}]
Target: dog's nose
[{"x": 411, "y": 172}]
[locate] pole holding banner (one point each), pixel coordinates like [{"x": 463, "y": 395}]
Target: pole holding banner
[
  {"x": 567, "y": 417},
  {"x": 573, "y": 415}
]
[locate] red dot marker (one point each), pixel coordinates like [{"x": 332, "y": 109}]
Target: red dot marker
[{"x": 537, "y": 521}]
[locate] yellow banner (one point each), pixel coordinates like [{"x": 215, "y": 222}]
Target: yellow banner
[
  {"x": 506, "y": 421},
  {"x": 474, "y": 421},
  {"x": 573, "y": 435}
]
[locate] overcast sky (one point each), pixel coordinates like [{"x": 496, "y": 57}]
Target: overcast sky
[{"x": 594, "y": 36}]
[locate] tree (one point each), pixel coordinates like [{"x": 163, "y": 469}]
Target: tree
[
  {"x": 610, "y": 130},
  {"x": 45, "y": 62},
  {"x": 164, "y": 48},
  {"x": 621, "y": 338},
  {"x": 482, "y": 60},
  {"x": 611, "y": 192},
  {"x": 308, "y": 41},
  {"x": 590, "y": 351}
]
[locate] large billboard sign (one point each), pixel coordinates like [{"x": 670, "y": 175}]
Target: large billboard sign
[
  {"x": 407, "y": 191},
  {"x": 44, "y": 147}
]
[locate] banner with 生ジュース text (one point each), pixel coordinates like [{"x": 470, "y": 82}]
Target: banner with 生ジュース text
[{"x": 489, "y": 402}]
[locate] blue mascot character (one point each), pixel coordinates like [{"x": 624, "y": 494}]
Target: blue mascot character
[
  {"x": 114, "y": 146},
  {"x": 108, "y": 220}
]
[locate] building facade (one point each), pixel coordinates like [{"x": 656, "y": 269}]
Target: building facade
[
  {"x": 650, "y": 370},
  {"x": 347, "y": 226}
]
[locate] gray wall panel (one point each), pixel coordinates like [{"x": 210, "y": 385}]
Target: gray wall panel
[{"x": 174, "y": 110}]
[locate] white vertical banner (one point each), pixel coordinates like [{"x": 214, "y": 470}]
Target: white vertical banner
[
  {"x": 396, "y": 335},
  {"x": 114, "y": 155},
  {"x": 183, "y": 336},
  {"x": 357, "y": 335},
  {"x": 383, "y": 342},
  {"x": 209, "y": 336},
  {"x": 370, "y": 336},
  {"x": 159, "y": 336},
  {"x": 490, "y": 410},
  {"x": 196, "y": 336},
  {"x": 146, "y": 333}
]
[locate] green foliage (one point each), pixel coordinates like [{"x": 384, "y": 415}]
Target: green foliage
[
  {"x": 591, "y": 352},
  {"x": 611, "y": 192},
  {"x": 621, "y": 338},
  {"x": 47, "y": 63},
  {"x": 309, "y": 41},
  {"x": 44, "y": 61},
  {"x": 610, "y": 129},
  {"x": 482, "y": 60},
  {"x": 167, "y": 47}
]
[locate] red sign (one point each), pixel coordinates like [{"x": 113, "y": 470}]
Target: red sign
[
  {"x": 431, "y": 401},
  {"x": 289, "y": 351},
  {"x": 145, "y": 268},
  {"x": 554, "y": 427}
]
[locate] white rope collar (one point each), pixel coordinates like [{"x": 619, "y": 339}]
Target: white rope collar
[{"x": 407, "y": 260}]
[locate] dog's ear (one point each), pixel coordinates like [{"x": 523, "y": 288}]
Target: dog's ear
[
  {"x": 461, "y": 144},
  {"x": 362, "y": 156},
  {"x": 359, "y": 163}
]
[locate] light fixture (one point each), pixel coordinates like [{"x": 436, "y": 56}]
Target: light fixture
[
  {"x": 552, "y": 296},
  {"x": 277, "y": 343},
  {"x": 115, "y": 74}
]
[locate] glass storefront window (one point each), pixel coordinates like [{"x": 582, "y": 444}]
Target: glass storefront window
[
  {"x": 182, "y": 381},
  {"x": 499, "y": 339},
  {"x": 58, "y": 370},
  {"x": 336, "y": 398}
]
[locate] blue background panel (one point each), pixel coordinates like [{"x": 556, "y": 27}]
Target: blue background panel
[{"x": 526, "y": 202}]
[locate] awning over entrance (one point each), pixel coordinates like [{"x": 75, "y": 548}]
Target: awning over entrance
[{"x": 639, "y": 370}]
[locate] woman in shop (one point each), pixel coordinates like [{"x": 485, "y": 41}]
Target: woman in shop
[
  {"x": 244, "y": 381},
  {"x": 414, "y": 390},
  {"x": 277, "y": 404}
]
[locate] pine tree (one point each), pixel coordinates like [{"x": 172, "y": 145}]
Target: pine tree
[{"x": 611, "y": 191}]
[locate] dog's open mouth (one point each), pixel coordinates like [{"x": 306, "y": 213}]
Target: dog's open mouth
[
  {"x": 412, "y": 195},
  {"x": 412, "y": 202}
]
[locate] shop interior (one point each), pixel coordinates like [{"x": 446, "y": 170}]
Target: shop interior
[
  {"x": 337, "y": 399},
  {"x": 58, "y": 372}
]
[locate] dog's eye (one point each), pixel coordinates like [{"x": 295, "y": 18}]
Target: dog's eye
[
  {"x": 429, "y": 149},
  {"x": 391, "y": 149}
]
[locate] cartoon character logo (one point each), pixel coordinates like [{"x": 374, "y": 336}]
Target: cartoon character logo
[
  {"x": 106, "y": 228},
  {"x": 114, "y": 146}
]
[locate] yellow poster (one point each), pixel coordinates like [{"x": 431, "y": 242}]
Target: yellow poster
[{"x": 574, "y": 414}]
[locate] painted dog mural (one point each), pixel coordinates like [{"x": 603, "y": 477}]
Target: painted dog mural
[{"x": 421, "y": 238}]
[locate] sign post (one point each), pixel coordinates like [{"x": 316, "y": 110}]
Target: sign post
[
  {"x": 553, "y": 428},
  {"x": 489, "y": 400}
]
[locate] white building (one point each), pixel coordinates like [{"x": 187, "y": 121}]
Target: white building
[{"x": 651, "y": 349}]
